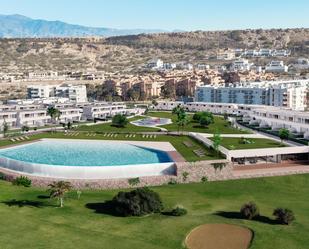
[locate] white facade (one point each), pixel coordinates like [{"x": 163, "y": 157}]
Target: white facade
[
  {"x": 274, "y": 117},
  {"x": 74, "y": 93},
  {"x": 35, "y": 115},
  {"x": 103, "y": 110},
  {"x": 155, "y": 64},
  {"x": 39, "y": 91},
  {"x": 291, "y": 94},
  {"x": 241, "y": 65},
  {"x": 276, "y": 67}
]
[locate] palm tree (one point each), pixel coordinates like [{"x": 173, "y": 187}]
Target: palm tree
[
  {"x": 59, "y": 189},
  {"x": 217, "y": 142},
  {"x": 182, "y": 121},
  {"x": 5, "y": 128},
  {"x": 178, "y": 110},
  {"x": 54, "y": 113}
]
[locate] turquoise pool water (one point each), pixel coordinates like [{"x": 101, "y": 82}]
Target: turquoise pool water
[{"x": 84, "y": 153}]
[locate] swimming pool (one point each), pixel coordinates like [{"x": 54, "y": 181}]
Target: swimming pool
[{"x": 70, "y": 158}]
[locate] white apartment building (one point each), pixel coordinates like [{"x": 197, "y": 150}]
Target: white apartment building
[
  {"x": 39, "y": 91},
  {"x": 276, "y": 67},
  {"x": 291, "y": 94},
  {"x": 241, "y": 65},
  {"x": 155, "y": 64},
  {"x": 35, "y": 115},
  {"x": 274, "y": 117},
  {"x": 74, "y": 93},
  {"x": 103, "y": 110}
]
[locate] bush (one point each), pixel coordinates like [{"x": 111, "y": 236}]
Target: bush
[
  {"x": 134, "y": 181},
  {"x": 185, "y": 176},
  {"x": 22, "y": 181},
  {"x": 204, "y": 179},
  {"x": 2, "y": 176},
  {"x": 137, "y": 202},
  {"x": 284, "y": 216},
  {"x": 249, "y": 210},
  {"x": 178, "y": 211},
  {"x": 172, "y": 181},
  {"x": 119, "y": 120}
]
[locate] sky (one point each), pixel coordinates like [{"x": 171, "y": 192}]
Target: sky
[{"x": 167, "y": 14}]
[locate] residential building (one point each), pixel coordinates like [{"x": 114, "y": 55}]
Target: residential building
[
  {"x": 291, "y": 94},
  {"x": 276, "y": 67},
  {"x": 241, "y": 65},
  {"x": 155, "y": 64},
  {"x": 275, "y": 118},
  {"x": 39, "y": 91}
]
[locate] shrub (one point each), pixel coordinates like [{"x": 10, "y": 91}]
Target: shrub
[
  {"x": 119, "y": 120},
  {"x": 284, "y": 216},
  {"x": 2, "y": 176},
  {"x": 219, "y": 166},
  {"x": 22, "y": 181},
  {"x": 179, "y": 211},
  {"x": 137, "y": 202},
  {"x": 172, "y": 181},
  {"x": 204, "y": 179},
  {"x": 134, "y": 181},
  {"x": 249, "y": 210},
  {"x": 185, "y": 176}
]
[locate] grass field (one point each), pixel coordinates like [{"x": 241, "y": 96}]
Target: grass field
[
  {"x": 220, "y": 125},
  {"x": 108, "y": 127},
  {"x": 257, "y": 143},
  {"x": 37, "y": 223},
  {"x": 176, "y": 141}
]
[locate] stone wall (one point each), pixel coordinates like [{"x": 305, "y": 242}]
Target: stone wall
[{"x": 194, "y": 171}]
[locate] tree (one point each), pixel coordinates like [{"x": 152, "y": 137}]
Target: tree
[
  {"x": 249, "y": 210},
  {"x": 119, "y": 120},
  {"x": 205, "y": 121},
  {"x": 54, "y": 113},
  {"x": 24, "y": 128},
  {"x": 69, "y": 125},
  {"x": 216, "y": 142},
  {"x": 133, "y": 94},
  {"x": 284, "y": 134},
  {"x": 199, "y": 115},
  {"x": 225, "y": 116},
  {"x": 182, "y": 121},
  {"x": 59, "y": 189},
  {"x": 178, "y": 110},
  {"x": 284, "y": 216},
  {"x": 5, "y": 128},
  {"x": 137, "y": 202}
]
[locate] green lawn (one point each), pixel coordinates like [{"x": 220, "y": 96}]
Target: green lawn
[
  {"x": 39, "y": 224},
  {"x": 257, "y": 143},
  {"x": 176, "y": 141},
  {"x": 220, "y": 125},
  {"x": 108, "y": 127}
]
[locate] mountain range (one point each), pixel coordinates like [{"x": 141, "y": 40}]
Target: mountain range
[{"x": 18, "y": 26}]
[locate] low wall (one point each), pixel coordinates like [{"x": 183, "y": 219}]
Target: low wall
[{"x": 195, "y": 173}]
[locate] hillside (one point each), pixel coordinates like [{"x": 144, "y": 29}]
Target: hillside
[
  {"x": 18, "y": 26},
  {"x": 128, "y": 53}
]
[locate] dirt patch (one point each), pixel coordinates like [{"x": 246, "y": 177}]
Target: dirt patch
[{"x": 219, "y": 236}]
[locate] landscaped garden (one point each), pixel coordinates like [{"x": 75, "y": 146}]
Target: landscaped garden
[
  {"x": 30, "y": 219},
  {"x": 219, "y": 124},
  {"x": 235, "y": 143}
]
